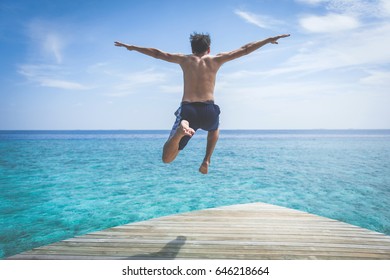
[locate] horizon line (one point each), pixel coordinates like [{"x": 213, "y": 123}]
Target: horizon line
[{"x": 224, "y": 129}]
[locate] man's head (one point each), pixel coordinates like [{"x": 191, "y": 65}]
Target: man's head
[{"x": 200, "y": 43}]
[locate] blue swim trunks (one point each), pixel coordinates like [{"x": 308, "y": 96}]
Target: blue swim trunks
[{"x": 203, "y": 115}]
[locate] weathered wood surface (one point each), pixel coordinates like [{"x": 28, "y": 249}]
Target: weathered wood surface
[{"x": 246, "y": 231}]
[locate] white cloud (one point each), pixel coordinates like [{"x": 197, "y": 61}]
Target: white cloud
[
  {"x": 385, "y": 7},
  {"x": 363, "y": 48},
  {"x": 130, "y": 81},
  {"x": 49, "y": 76},
  {"x": 262, "y": 21},
  {"x": 356, "y": 7},
  {"x": 317, "y": 101},
  {"x": 48, "y": 41},
  {"x": 125, "y": 83},
  {"x": 146, "y": 77},
  {"x": 311, "y": 2},
  {"x": 53, "y": 45},
  {"x": 329, "y": 23},
  {"x": 61, "y": 84},
  {"x": 361, "y": 8},
  {"x": 45, "y": 66},
  {"x": 171, "y": 88},
  {"x": 334, "y": 80},
  {"x": 377, "y": 78}
]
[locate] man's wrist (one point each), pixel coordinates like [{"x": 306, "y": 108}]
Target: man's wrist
[{"x": 271, "y": 39}]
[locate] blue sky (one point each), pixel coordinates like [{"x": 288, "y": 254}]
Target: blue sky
[{"x": 60, "y": 70}]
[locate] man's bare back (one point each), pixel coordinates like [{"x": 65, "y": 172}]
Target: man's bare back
[{"x": 199, "y": 75}]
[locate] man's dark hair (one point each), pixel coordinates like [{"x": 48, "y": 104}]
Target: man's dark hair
[{"x": 200, "y": 42}]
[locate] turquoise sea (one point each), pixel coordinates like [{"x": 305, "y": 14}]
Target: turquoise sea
[{"x": 58, "y": 184}]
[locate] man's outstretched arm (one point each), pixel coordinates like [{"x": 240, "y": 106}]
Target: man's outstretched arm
[
  {"x": 248, "y": 48},
  {"x": 174, "y": 58}
]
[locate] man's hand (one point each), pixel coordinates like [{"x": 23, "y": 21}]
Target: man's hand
[
  {"x": 119, "y": 44},
  {"x": 274, "y": 40}
]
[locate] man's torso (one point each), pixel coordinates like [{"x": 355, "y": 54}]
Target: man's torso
[{"x": 199, "y": 78}]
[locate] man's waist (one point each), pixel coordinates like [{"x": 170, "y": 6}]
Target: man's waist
[{"x": 197, "y": 101}]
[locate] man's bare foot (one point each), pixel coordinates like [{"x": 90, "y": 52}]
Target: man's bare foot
[
  {"x": 184, "y": 129},
  {"x": 204, "y": 167}
]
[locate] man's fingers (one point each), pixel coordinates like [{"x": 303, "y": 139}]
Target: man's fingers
[
  {"x": 275, "y": 41},
  {"x": 119, "y": 44}
]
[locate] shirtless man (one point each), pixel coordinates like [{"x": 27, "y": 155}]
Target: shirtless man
[{"x": 197, "y": 109}]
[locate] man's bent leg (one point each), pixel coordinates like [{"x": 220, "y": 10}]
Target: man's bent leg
[
  {"x": 212, "y": 138},
  {"x": 171, "y": 147}
]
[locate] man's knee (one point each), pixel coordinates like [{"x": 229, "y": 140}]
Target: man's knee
[
  {"x": 166, "y": 159},
  {"x": 169, "y": 156}
]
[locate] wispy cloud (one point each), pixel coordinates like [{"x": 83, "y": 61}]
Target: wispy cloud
[
  {"x": 53, "y": 44},
  {"x": 61, "y": 84},
  {"x": 364, "y": 45},
  {"x": 262, "y": 21},
  {"x": 126, "y": 83},
  {"x": 343, "y": 15},
  {"x": 342, "y": 52},
  {"x": 46, "y": 64},
  {"x": 357, "y": 7},
  {"x": 311, "y": 2},
  {"x": 376, "y": 78},
  {"x": 174, "y": 88},
  {"x": 364, "y": 8},
  {"x": 49, "y": 76},
  {"x": 329, "y": 23},
  {"x": 48, "y": 41},
  {"x": 146, "y": 77},
  {"x": 363, "y": 51},
  {"x": 385, "y": 4}
]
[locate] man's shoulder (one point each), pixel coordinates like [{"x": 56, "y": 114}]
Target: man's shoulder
[
  {"x": 192, "y": 60},
  {"x": 193, "y": 56}
]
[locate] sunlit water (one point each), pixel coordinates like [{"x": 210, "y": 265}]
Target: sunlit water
[{"x": 58, "y": 184}]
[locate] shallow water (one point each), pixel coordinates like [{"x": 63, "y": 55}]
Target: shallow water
[{"x": 58, "y": 184}]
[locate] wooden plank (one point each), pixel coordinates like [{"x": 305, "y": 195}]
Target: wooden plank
[{"x": 247, "y": 231}]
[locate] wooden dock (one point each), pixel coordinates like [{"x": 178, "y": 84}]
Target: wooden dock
[{"x": 247, "y": 231}]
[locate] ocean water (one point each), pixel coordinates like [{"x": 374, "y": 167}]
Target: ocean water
[{"x": 58, "y": 184}]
